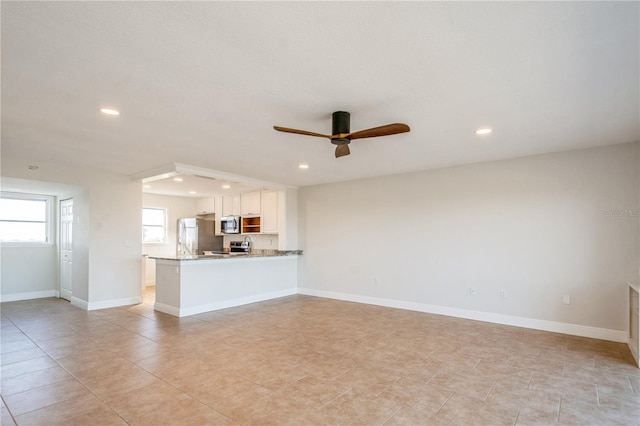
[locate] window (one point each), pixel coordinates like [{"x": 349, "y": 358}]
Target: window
[
  {"x": 25, "y": 219},
  {"x": 154, "y": 225}
]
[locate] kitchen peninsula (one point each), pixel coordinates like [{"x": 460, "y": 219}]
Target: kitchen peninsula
[{"x": 190, "y": 285}]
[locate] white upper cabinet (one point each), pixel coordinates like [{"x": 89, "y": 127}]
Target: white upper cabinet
[
  {"x": 250, "y": 203},
  {"x": 270, "y": 212},
  {"x": 231, "y": 205},
  {"x": 218, "y": 213},
  {"x": 205, "y": 205},
  {"x": 235, "y": 205}
]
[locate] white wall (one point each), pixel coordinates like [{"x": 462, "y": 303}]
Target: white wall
[
  {"x": 81, "y": 246},
  {"x": 115, "y": 241},
  {"x": 28, "y": 270},
  {"x": 177, "y": 207},
  {"x": 106, "y": 233},
  {"x": 536, "y": 227}
]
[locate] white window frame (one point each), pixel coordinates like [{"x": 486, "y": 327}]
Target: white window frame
[
  {"x": 49, "y": 218},
  {"x": 165, "y": 226}
]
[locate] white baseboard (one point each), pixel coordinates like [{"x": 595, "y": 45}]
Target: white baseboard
[
  {"x": 114, "y": 303},
  {"x": 633, "y": 347},
  {"x": 29, "y": 295},
  {"x": 193, "y": 310},
  {"x": 79, "y": 303},
  {"x": 536, "y": 324},
  {"x": 161, "y": 307}
]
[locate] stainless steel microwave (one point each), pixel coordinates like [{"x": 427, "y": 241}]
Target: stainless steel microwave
[{"x": 230, "y": 225}]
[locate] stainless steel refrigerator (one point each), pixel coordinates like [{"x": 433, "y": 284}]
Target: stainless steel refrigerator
[{"x": 195, "y": 236}]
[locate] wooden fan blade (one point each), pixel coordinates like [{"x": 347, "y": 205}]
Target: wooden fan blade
[
  {"x": 300, "y": 132},
  {"x": 342, "y": 150},
  {"x": 389, "y": 129}
]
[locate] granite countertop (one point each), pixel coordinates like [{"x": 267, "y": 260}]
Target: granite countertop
[{"x": 253, "y": 254}]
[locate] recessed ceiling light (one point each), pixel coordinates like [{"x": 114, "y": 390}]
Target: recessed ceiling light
[
  {"x": 178, "y": 179},
  {"x": 192, "y": 192},
  {"x": 303, "y": 166},
  {"x": 146, "y": 186},
  {"x": 109, "y": 111},
  {"x": 483, "y": 131},
  {"x": 226, "y": 186}
]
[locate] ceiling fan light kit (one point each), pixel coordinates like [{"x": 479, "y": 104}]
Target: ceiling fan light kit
[{"x": 341, "y": 132}]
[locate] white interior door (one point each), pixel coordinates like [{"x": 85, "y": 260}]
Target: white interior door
[{"x": 66, "y": 248}]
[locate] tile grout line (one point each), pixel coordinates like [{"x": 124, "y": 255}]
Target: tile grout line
[
  {"x": 559, "y": 409},
  {"x": 489, "y": 393},
  {"x": 515, "y": 422},
  {"x": 530, "y": 379},
  {"x": 391, "y": 416},
  {"x": 443, "y": 404},
  {"x": 336, "y": 398},
  {"x": 207, "y": 405},
  {"x": 8, "y": 410}
]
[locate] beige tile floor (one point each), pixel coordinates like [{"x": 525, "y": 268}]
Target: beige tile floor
[{"x": 301, "y": 361}]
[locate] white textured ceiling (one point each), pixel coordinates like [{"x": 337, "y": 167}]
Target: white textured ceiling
[{"x": 202, "y": 83}]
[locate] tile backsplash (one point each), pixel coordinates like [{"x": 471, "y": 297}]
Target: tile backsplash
[{"x": 258, "y": 241}]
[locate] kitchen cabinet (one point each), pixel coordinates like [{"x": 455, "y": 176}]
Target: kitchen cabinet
[
  {"x": 250, "y": 203},
  {"x": 205, "y": 205},
  {"x": 218, "y": 215},
  {"x": 193, "y": 286},
  {"x": 231, "y": 205},
  {"x": 270, "y": 212},
  {"x": 251, "y": 225}
]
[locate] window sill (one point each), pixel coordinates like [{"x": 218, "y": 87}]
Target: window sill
[{"x": 25, "y": 245}]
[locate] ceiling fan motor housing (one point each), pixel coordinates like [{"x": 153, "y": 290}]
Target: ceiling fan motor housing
[{"x": 341, "y": 124}]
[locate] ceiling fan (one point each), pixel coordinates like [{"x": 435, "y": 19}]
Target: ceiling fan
[{"x": 341, "y": 135}]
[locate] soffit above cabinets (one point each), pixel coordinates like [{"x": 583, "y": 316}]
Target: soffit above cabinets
[
  {"x": 195, "y": 187},
  {"x": 182, "y": 180}
]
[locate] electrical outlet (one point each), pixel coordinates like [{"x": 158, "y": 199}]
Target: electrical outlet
[
  {"x": 566, "y": 299},
  {"x": 503, "y": 293},
  {"x": 472, "y": 291}
]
